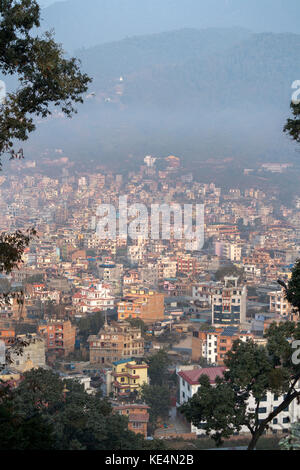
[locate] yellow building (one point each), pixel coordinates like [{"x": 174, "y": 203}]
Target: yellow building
[{"x": 127, "y": 376}]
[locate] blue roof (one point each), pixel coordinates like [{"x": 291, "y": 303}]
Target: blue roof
[
  {"x": 230, "y": 331},
  {"x": 122, "y": 361}
]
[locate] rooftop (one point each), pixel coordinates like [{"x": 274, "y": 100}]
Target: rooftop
[{"x": 193, "y": 376}]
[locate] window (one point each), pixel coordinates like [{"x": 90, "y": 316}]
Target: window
[{"x": 262, "y": 410}]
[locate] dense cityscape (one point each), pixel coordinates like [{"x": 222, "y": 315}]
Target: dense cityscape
[
  {"x": 150, "y": 245},
  {"x": 145, "y": 296}
]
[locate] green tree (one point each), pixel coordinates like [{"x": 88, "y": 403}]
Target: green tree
[
  {"x": 230, "y": 270},
  {"x": 44, "y": 76},
  {"x": 251, "y": 371},
  {"x": 292, "y": 289},
  {"x": 46, "y": 80},
  {"x": 138, "y": 323},
  {"x": 158, "y": 398},
  {"x": 64, "y": 412},
  {"x": 292, "y": 126},
  {"x": 158, "y": 367},
  {"x": 90, "y": 325},
  {"x": 292, "y": 442}
]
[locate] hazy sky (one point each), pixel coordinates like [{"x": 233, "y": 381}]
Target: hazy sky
[{"x": 46, "y": 3}]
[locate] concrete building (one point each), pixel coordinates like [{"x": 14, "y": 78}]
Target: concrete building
[
  {"x": 189, "y": 385},
  {"x": 59, "y": 336},
  {"x": 229, "y": 303},
  {"x": 127, "y": 376},
  {"x": 94, "y": 298},
  {"x": 137, "y": 414},
  {"x": 279, "y": 304},
  {"x": 141, "y": 303},
  {"x": 117, "y": 341}
]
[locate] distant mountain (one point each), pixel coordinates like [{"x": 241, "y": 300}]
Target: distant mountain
[
  {"x": 90, "y": 22},
  {"x": 212, "y": 67},
  {"x": 197, "y": 93}
]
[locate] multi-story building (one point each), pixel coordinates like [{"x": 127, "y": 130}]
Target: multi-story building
[
  {"x": 226, "y": 339},
  {"x": 213, "y": 344},
  {"x": 229, "y": 303},
  {"x": 279, "y": 303},
  {"x": 137, "y": 414},
  {"x": 141, "y": 303},
  {"x": 205, "y": 345},
  {"x": 189, "y": 385},
  {"x": 94, "y": 298},
  {"x": 202, "y": 293},
  {"x": 188, "y": 265},
  {"x": 232, "y": 251},
  {"x": 59, "y": 336},
  {"x": 114, "y": 342},
  {"x": 127, "y": 376}
]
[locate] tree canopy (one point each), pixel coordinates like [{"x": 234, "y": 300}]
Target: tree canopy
[
  {"x": 252, "y": 371},
  {"x": 45, "y": 77},
  {"x": 292, "y": 126},
  {"x": 46, "y": 412}
]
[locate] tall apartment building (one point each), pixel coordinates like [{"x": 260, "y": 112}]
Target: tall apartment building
[
  {"x": 229, "y": 303},
  {"x": 141, "y": 303},
  {"x": 59, "y": 336},
  {"x": 167, "y": 268},
  {"x": 115, "y": 342}
]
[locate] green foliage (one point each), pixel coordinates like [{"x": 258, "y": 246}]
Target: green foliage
[
  {"x": 292, "y": 442},
  {"x": 292, "y": 126},
  {"x": 229, "y": 270},
  {"x": 158, "y": 367},
  {"x": 45, "y": 77},
  {"x": 90, "y": 325},
  {"x": 251, "y": 371},
  {"x": 138, "y": 323},
  {"x": 293, "y": 287},
  {"x": 42, "y": 414},
  {"x": 158, "y": 398}
]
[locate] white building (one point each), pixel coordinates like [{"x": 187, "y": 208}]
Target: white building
[
  {"x": 94, "y": 298},
  {"x": 189, "y": 385},
  {"x": 279, "y": 304}
]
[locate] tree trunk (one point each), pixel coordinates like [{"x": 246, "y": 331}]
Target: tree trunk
[{"x": 255, "y": 436}]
